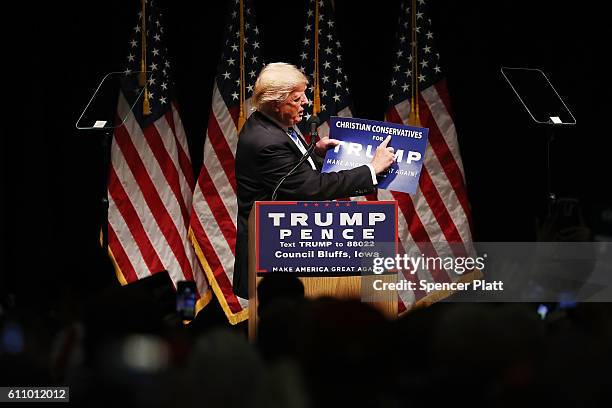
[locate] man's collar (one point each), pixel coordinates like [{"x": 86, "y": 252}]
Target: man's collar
[{"x": 276, "y": 122}]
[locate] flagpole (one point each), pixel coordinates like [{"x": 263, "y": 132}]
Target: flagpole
[
  {"x": 317, "y": 96},
  {"x": 413, "y": 115},
  {"x": 142, "y": 79},
  {"x": 241, "y": 116}
]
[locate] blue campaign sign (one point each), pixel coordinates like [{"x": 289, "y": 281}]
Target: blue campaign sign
[
  {"x": 359, "y": 139},
  {"x": 324, "y": 237}
]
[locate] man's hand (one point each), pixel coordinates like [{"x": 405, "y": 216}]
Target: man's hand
[
  {"x": 324, "y": 144},
  {"x": 384, "y": 157}
]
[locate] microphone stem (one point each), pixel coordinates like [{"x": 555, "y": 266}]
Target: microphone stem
[{"x": 302, "y": 160}]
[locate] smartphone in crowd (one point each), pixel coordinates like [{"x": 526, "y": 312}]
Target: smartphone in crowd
[{"x": 186, "y": 299}]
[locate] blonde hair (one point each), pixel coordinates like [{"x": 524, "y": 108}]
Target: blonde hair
[{"x": 275, "y": 82}]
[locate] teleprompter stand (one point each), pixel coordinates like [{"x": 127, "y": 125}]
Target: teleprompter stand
[
  {"x": 100, "y": 116},
  {"x": 546, "y": 108}
]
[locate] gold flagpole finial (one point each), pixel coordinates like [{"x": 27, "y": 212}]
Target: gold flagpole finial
[{"x": 146, "y": 107}]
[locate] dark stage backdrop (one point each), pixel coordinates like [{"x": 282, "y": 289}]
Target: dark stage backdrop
[{"x": 51, "y": 174}]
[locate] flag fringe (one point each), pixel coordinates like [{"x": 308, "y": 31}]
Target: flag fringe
[
  {"x": 233, "y": 318},
  {"x": 120, "y": 276}
]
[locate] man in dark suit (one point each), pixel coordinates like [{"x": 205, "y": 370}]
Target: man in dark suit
[{"x": 269, "y": 146}]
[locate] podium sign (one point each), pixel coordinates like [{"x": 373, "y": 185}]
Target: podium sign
[{"x": 323, "y": 238}]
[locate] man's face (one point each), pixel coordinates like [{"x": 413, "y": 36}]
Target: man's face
[{"x": 289, "y": 112}]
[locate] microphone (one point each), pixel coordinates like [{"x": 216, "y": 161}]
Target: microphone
[{"x": 313, "y": 123}]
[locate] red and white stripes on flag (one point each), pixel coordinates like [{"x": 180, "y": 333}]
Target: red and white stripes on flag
[
  {"x": 436, "y": 220},
  {"x": 149, "y": 191},
  {"x": 150, "y": 180},
  {"x": 213, "y": 219},
  {"x": 213, "y": 224}
]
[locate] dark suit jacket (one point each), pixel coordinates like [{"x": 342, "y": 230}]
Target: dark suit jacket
[{"x": 265, "y": 154}]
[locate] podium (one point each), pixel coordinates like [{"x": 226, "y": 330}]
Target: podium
[{"x": 335, "y": 241}]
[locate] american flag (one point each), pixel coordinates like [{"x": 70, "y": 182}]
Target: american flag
[
  {"x": 150, "y": 180},
  {"x": 436, "y": 219},
  {"x": 213, "y": 221},
  {"x": 333, "y": 80}
]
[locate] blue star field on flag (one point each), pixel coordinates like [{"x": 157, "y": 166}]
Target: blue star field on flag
[
  {"x": 160, "y": 84},
  {"x": 428, "y": 69},
  {"x": 228, "y": 69},
  {"x": 333, "y": 79}
]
